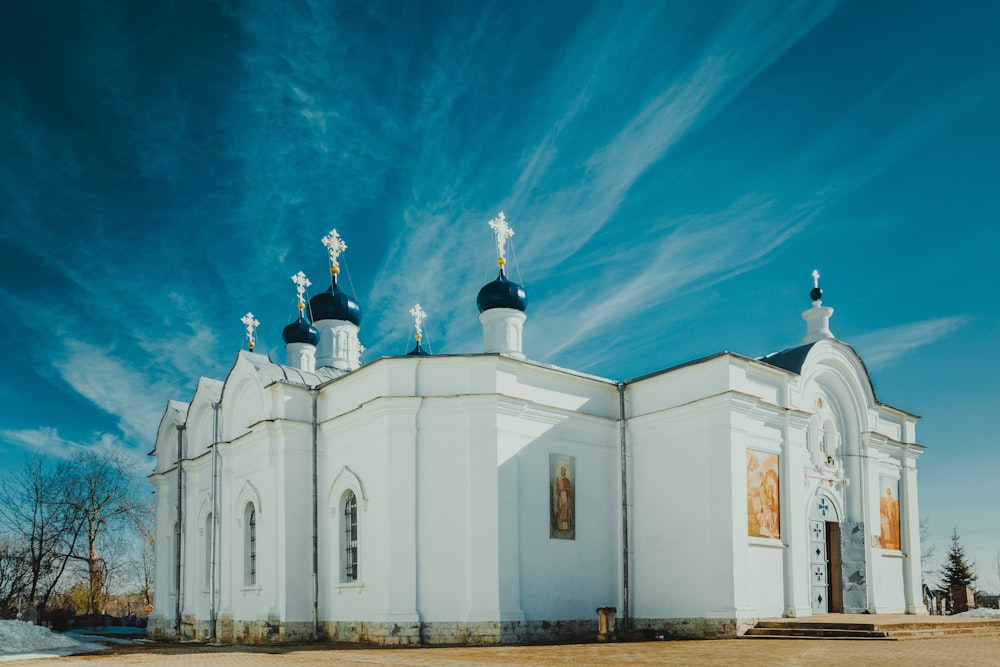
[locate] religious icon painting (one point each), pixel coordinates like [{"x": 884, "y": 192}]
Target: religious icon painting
[
  {"x": 562, "y": 497},
  {"x": 888, "y": 513},
  {"x": 763, "y": 497}
]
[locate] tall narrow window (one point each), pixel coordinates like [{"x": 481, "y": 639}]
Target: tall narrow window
[
  {"x": 177, "y": 557},
  {"x": 209, "y": 536},
  {"x": 250, "y": 572},
  {"x": 350, "y": 537}
]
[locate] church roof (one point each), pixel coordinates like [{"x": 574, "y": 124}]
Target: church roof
[
  {"x": 270, "y": 372},
  {"x": 790, "y": 359}
]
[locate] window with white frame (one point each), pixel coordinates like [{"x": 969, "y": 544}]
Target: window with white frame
[
  {"x": 250, "y": 545},
  {"x": 349, "y": 571}
]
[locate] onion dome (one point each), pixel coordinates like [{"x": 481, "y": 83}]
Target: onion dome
[
  {"x": 501, "y": 293},
  {"x": 300, "y": 331},
  {"x": 335, "y": 304}
]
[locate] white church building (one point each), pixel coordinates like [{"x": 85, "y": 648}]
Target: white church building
[{"x": 491, "y": 498}]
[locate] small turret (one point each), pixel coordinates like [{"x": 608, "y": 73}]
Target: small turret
[
  {"x": 502, "y": 302},
  {"x": 818, "y": 317},
  {"x": 300, "y": 336}
]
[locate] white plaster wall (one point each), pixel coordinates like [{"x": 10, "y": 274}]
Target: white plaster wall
[{"x": 682, "y": 482}]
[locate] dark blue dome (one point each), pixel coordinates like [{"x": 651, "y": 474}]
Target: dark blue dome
[
  {"x": 300, "y": 331},
  {"x": 501, "y": 293},
  {"x": 335, "y": 304}
]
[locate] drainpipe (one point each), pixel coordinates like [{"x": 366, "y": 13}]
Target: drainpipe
[
  {"x": 624, "y": 467},
  {"x": 179, "y": 547},
  {"x": 315, "y": 518},
  {"x": 215, "y": 521}
]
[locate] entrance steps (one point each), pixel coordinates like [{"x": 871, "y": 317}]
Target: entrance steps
[{"x": 881, "y": 626}]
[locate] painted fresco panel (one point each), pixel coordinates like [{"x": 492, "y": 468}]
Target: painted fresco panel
[
  {"x": 562, "y": 497},
  {"x": 763, "y": 500},
  {"x": 888, "y": 510}
]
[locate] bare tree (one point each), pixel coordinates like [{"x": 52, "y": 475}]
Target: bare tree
[
  {"x": 144, "y": 517},
  {"x": 101, "y": 498},
  {"x": 15, "y": 571},
  {"x": 928, "y": 566},
  {"x": 33, "y": 512}
]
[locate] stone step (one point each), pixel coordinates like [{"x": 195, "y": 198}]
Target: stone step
[
  {"x": 813, "y": 633},
  {"x": 874, "y": 629}
]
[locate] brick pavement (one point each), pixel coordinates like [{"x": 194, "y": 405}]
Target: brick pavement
[{"x": 953, "y": 652}]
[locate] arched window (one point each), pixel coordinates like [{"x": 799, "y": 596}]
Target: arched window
[
  {"x": 250, "y": 545},
  {"x": 209, "y": 537},
  {"x": 350, "y": 532}
]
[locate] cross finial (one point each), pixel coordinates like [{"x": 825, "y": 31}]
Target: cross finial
[
  {"x": 815, "y": 275},
  {"x": 301, "y": 283},
  {"x": 251, "y": 324},
  {"x": 503, "y": 232},
  {"x": 335, "y": 246},
  {"x": 418, "y": 319}
]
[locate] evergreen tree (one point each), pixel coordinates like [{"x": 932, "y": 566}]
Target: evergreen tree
[{"x": 956, "y": 571}]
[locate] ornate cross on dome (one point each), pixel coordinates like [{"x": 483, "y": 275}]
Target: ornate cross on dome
[
  {"x": 335, "y": 246},
  {"x": 418, "y": 318},
  {"x": 301, "y": 283},
  {"x": 815, "y": 275},
  {"x": 503, "y": 232},
  {"x": 251, "y": 324}
]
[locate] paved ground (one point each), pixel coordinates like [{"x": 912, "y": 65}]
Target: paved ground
[{"x": 951, "y": 652}]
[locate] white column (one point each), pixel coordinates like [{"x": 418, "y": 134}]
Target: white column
[{"x": 910, "y": 537}]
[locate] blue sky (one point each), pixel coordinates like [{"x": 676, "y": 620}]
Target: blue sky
[{"x": 673, "y": 170}]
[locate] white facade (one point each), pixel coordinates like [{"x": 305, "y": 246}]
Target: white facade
[{"x": 447, "y": 460}]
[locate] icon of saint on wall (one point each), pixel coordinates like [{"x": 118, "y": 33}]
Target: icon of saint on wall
[{"x": 562, "y": 497}]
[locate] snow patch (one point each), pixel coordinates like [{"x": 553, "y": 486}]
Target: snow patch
[
  {"x": 981, "y": 612},
  {"x": 20, "y": 640}
]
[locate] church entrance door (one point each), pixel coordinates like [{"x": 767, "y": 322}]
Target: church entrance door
[{"x": 824, "y": 557}]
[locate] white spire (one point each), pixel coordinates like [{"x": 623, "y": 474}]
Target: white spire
[
  {"x": 301, "y": 283},
  {"x": 818, "y": 317},
  {"x": 503, "y": 231},
  {"x": 251, "y": 324},
  {"x": 335, "y": 246},
  {"x": 418, "y": 319}
]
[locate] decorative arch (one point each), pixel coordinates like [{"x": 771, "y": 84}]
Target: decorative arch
[
  {"x": 203, "y": 511},
  {"x": 243, "y": 399},
  {"x": 248, "y": 494},
  {"x": 826, "y": 506},
  {"x": 201, "y": 416},
  {"x": 346, "y": 479},
  {"x": 166, "y": 434}
]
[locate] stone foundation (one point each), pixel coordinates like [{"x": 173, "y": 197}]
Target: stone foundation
[
  {"x": 688, "y": 628},
  {"x": 438, "y": 633}
]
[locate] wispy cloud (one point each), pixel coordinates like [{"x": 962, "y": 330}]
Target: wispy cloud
[
  {"x": 561, "y": 199},
  {"x": 46, "y": 440},
  {"x": 884, "y": 346},
  {"x": 113, "y": 385}
]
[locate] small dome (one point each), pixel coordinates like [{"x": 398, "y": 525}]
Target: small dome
[
  {"x": 335, "y": 304},
  {"x": 816, "y": 294},
  {"x": 300, "y": 331},
  {"x": 418, "y": 351},
  {"x": 501, "y": 293}
]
